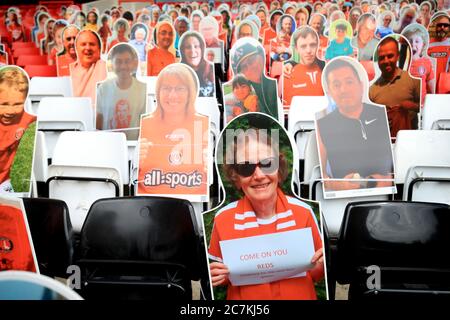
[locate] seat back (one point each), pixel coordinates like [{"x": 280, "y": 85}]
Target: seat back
[
  {"x": 436, "y": 110},
  {"x": 51, "y": 231},
  {"x": 427, "y": 183},
  {"x": 40, "y": 71},
  {"x": 408, "y": 237},
  {"x": 301, "y": 118},
  {"x": 420, "y": 148}
]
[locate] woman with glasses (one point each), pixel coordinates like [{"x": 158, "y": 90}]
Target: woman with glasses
[
  {"x": 258, "y": 169},
  {"x": 174, "y": 139}
]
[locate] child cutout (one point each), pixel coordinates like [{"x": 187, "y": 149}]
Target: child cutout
[
  {"x": 242, "y": 99},
  {"x": 14, "y": 121},
  {"x": 340, "y": 43},
  {"x": 421, "y": 64}
]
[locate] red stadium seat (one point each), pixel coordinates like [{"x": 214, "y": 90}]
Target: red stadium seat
[
  {"x": 26, "y": 60},
  {"x": 27, "y": 51},
  {"x": 20, "y": 45},
  {"x": 40, "y": 71}
]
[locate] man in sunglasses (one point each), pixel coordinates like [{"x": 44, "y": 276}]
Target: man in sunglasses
[
  {"x": 353, "y": 140},
  {"x": 439, "y": 48}
]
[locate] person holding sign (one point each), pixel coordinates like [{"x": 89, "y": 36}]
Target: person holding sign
[
  {"x": 173, "y": 144},
  {"x": 258, "y": 169}
]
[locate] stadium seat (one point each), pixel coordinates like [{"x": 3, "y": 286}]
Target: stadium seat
[
  {"x": 25, "y": 60},
  {"x": 427, "y": 183},
  {"x": 41, "y": 87},
  {"x": 20, "y": 45},
  {"x": 87, "y": 166},
  {"x": 404, "y": 242},
  {"x": 40, "y": 163},
  {"x": 151, "y": 92},
  {"x": 40, "y": 71},
  {"x": 51, "y": 231},
  {"x": 301, "y": 118},
  {"x": 436, "y": 112},
  {"x": 26, "y": 51},
  {"x": 420, "y": 148},
  {"x": 58, "y": 114},
  {"x": 141, "y": 248}
]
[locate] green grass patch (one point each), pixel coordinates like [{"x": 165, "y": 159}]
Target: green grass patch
[{"x": 23, "y": 161}]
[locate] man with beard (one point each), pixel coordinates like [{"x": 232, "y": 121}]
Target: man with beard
[
  {"x": 395, "y": 89},
  {"x": 68, "y": 55},
  {"x": 440, "y": 45},
  {"x": 89, "y": 68}
]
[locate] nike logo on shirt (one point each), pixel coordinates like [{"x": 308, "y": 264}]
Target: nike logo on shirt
[{"x": 367, "y": 122}]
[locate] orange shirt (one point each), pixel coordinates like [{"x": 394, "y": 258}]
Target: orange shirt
[
  {"x": 269, "y": 34},
  {"x": 303, "y": 81},
  {"x": 176, "y": 162},
  {"x": 291, "y": 214},
  {"x": 10, "y": 136},
  {"x": 62, "y": 65},
  {"x": 157, "y": 59},
  {"x": 15, "y": 245}
]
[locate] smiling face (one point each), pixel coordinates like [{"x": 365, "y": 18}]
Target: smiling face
[
  {"x": 300, "y": 17},
  {"x": 11, "y": 105},
  {"x": 259, "y": 186},
  {"x": 367, "y": 31},
  {"x": 182, "y": 27},
  {"x": 387, "y": 58},
  {"x": 165, "y": 36},
  {"x": 124, "y": 64},
  {"x": 196, "y": 22},
  {"x": 387, "y": 20},
  {"x": 241, "y": 91},
  {"x": 69, "y": 36},
  {"x": 317, "y": 24},
  {"x": 88, "y": 49},
  {"x": 174, "y": 95},
  {"x": 286, "y": 25},
  {"x": 245, "y": 31},
  {"x": 192, "y": 51},
  {"x": 307, "y": 49},
  {"x": 346, "y": 89},
  {"x": 417, "y": 44}
]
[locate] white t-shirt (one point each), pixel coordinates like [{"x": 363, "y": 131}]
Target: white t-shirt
[{"x": 121, "y": 108}]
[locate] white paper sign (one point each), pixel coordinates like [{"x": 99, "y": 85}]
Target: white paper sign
[{"x": 268, "y": 258}]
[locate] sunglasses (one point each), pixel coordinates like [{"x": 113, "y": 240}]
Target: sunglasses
[
  {"x": 267, "y": 166},
  {"x": 442, "y": 25}
]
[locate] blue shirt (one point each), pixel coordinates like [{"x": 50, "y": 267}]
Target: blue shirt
[
  {"x": 140, "y": 47},
  {"x": 339, "y": 49}
]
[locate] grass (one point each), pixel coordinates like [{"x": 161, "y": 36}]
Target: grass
[{"x": 23, "y": 161}]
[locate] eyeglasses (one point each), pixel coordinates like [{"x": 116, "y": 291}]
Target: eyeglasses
[
  {"x": 177, "y": 90},
  {"x": 267, "y": 166},
  {"x": 443, "y": 25}
]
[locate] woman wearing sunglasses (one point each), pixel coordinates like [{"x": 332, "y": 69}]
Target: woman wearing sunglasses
[{"x": 258, "y": 170}]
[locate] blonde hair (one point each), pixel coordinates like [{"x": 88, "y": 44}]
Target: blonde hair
[
  {"x": 187, "y": 76},
  {"x": 14, "y": 77}
]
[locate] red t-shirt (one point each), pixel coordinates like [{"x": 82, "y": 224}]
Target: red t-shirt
[
  {"x": 157, "y": 59},
  {"x": 62, "y": 64},
  {"x": 441, "y": 52},
  {"x": 230, "y": 222},
  {"x": 303, "y": 81},
  {"x": 10, "y": 136},
  {"x": 423, "y": 69}
]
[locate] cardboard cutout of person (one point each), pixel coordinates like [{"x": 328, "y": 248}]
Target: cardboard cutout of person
[
  {"x": 365, "y": 42},
  {"x": 386, "y": 22},
  {"x": 271, "y": 32},
  {"x": 174, "y": 140},
  {"x": 340, "y": 35},
  {"x": 121, "y": 100},
  {"x": 16, "y": 245},
  {"x": 394, "y": 87},
  {"x": 89, "y": 69},
  {"x": 247, "y": 57},
  {"x": 121, "y": 31},
  {"x": 303, "y": 73},
  {"x": 3, "y": 58},
  {"x": 439, "y": 48},
  {"x": 209, "y": 28},
  {"x": 318, "y": 22},
  {"x": 68, "y": 55},
  {"x": 138, "y": 39},
  {"x": 163, "y": 54},
  {"x": 353, "y": 140},
  {"x": 15, "y": 125},
  {"x": 192, "y": 51},
  {"x": 254, "y": 160},
  {"x": 280, "y": 46},
  {"x": 422, "y": 66}
]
